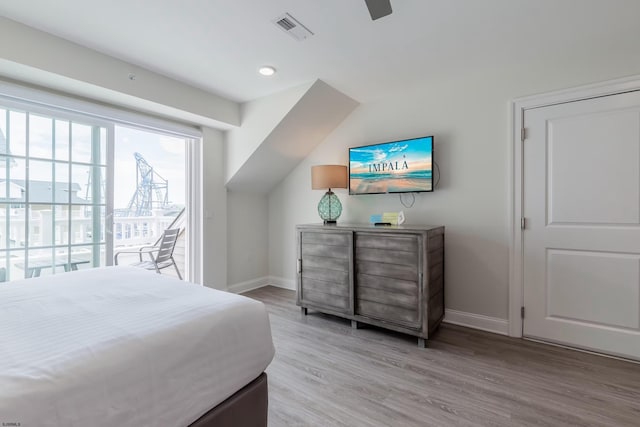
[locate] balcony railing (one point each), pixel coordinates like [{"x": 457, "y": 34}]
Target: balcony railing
[
  {"x": 39, "y": 244},
  {"x": 135, "y": 231},
  {"x": 44, "y": 231}
]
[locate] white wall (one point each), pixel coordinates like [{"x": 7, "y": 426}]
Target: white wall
[
  {"x": 469, "y": 114},
  {"x": 36, "y": 57},
  {"x": 247, "y": 237},
  {"x": 214, "y": 210}
]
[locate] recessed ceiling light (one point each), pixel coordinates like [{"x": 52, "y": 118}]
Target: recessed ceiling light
[{"x": 267, "y": 70}]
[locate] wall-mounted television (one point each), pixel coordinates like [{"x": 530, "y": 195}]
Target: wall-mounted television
[{"x": 392, "y": 167}]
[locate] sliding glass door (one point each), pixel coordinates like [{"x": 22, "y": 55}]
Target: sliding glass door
[
  {"x": 75, "y": 188},
  {"x": 150, "y": 179},
  {"x": 54, "y": 187}
]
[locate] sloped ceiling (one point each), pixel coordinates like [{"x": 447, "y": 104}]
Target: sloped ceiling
[
  {"x": 273, "y": 155},
  {"x": 258, "y": 119}
]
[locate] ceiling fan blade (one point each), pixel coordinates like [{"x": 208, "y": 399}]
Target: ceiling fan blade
[{"x": 379, "y": 8}]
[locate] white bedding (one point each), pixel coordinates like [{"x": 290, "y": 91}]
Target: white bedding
[{"x": 122, "y": 346}]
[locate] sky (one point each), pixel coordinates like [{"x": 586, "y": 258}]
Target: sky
[{"x": 164, "y": 153}]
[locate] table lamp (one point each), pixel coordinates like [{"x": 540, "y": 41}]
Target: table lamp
[{"x": 328, "y": 177}]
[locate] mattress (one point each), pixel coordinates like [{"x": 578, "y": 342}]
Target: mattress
[{"x": 122, "y": 346}]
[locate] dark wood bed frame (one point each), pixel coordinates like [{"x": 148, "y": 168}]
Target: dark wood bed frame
[{"x": 248, "y": 407}]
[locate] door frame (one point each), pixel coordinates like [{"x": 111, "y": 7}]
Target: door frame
[{"x": 518, "y": 108}]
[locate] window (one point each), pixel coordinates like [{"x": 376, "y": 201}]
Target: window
[
  {"x": 53, "y": 193},
  {"x": 58, "y": 184}
]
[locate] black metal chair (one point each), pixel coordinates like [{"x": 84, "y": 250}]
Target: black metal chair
[{"x": 163, "y": 253}]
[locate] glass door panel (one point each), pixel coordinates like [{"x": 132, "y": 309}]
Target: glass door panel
[
  {"x": 149, "y": 192},
  {"x": 17, "y": 133},
  {"x": 53, "y": 193},
  {"x": 81, "y": 143},
  {"x": 40, "y": 137},
  {"x": 61, "y": 144}
]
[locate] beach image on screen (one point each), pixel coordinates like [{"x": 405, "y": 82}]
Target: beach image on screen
[{"x": 392, "y": 167}]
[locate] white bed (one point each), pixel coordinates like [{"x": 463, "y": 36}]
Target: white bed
[{"x": 121, "y": 346}]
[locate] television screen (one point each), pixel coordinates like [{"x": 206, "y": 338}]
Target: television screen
[{"x": 392, "y": 167}]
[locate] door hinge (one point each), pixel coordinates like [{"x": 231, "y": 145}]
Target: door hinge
[
  {"x": 299, "y": 266},
  {"x": 523, "y": 134},
  {"x": 523, "y": 223},
  {"x": 522, "y": 312}
]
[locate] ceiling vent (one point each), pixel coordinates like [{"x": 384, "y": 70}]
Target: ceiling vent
[{"x": 292, "y": 26}]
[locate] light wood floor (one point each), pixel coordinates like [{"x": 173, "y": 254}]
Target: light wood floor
[{"x": 326, "y": 374}]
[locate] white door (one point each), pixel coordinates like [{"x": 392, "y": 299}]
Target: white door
[{"x": 582, "y": 238}]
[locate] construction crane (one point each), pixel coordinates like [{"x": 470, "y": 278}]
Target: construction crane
[{"x": 152, "y": 190}]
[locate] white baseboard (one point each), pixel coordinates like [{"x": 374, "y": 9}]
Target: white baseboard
[
  {"x": 454, "y": 317},
  {"x": 249, "y": 285},
  {"x": 260, "y": 282},
  {"x": 477, "y": 321},
  {"x": 281, "y": 282}
]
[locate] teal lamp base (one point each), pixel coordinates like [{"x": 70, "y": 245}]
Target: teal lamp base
[{"x": 329, "y": 208}]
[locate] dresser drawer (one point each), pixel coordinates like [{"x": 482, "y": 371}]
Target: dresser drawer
[
  {"x": 324, "y": 276},
  {"x": 388, "y": 313},
  {"x": 387, "y": 241},
  {"x": 387, "y": 277}
]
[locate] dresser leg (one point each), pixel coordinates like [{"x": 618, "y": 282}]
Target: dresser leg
[
  {"x": 303, "y": 310},
  {"x": 422, "y": 343},
  {"x": 354, "y": 324}
]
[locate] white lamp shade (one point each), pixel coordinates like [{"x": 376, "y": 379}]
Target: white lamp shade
[{"x": 328, "y": 176}]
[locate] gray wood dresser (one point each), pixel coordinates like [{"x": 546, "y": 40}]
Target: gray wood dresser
[{"x": 389, "y": 276}]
